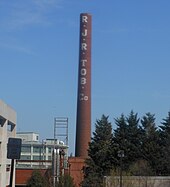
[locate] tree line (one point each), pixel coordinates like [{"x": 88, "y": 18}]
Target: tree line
[{"x": 144, "y": 144}]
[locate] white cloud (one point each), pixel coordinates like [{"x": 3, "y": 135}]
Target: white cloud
[
  {"x": 16, "y": 47},
  {"x": 115, "y": 30},
  {"x": 23, "y": 13},
  {"x": 129, "y": 30},
  {"x": 47, "y": 3}
]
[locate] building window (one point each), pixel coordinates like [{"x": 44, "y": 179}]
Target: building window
[
  {"x": 37, "y": 157},
  {"x": 2, "y": 121},
  {"x": 10, "y": 126},
  {"x": 26, "y": 149},
  {"x": 25, "y": 157},
  {"x": 36, "y": 149},
  {"x": 23, "y": 165},
  {"x": 49, "y": 150},
  {"x": 49, "y": 158}
]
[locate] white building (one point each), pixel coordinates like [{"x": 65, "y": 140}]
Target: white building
[
  {"x": 36, "y": 153},
  {"x": 28, "y": 136},
  {"x": 7, "y": 129}
]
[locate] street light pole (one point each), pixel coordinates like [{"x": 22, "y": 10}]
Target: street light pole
[
  {"x": 121, "y": 171},
  {"x": 121, "y": 155}
]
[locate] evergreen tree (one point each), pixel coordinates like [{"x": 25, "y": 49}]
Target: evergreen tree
[
  {"x": 165, "y": 130},
  {"x": 133, "y": 138},
  {"x": 150, "y": 142},
  {"x": 120, "y": 139},
  {"x": 65, "y": 181},
  {"x": 127, "y": 137},
  {"x": 120, "y": 133},
  {"x": 100, "y": 154},
  {"x": 140, "y": 168},
  {"x": 165, "y": 148},
  {"x": 37, "y": 180}
]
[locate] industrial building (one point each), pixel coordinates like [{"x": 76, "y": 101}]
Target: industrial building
[
  {"x": 36, "y": 154},
  {"x": 7, "y": 130}
]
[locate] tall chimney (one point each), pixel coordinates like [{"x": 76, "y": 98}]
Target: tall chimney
[{"x": 83, "y": 123}]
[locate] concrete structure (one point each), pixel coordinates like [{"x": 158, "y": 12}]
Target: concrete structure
[
  {"x": 7, "y": 129},
  {"x": 137, "y": 181},
  {"x": 83, "y": 123}
]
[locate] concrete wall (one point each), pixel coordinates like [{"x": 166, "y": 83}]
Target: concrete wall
[
  {"x": 7, "y": 129},
  {"x": 137, "y": 181}
]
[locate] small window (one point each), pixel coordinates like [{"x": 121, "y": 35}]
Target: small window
[
  {"x": 36, "y": 149},
  {"x": 37, "y": 157},
  {"x": 26, "y": 149},
  {"x": 49, "y": 158},
  {"x": 25, "y": 157},
  {"x": 49, "y": 150},
  {"x": 10, "y": 126},
  {"x": 2, "y": 121}
]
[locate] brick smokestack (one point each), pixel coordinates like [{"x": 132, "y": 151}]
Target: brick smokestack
[{"x": 83, "y": 124}]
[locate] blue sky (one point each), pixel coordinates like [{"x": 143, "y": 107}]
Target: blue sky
[{"x": 39, "y": 42}]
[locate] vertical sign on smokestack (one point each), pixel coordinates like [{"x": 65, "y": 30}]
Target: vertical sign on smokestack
[{"x": 83, "y": 126}]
